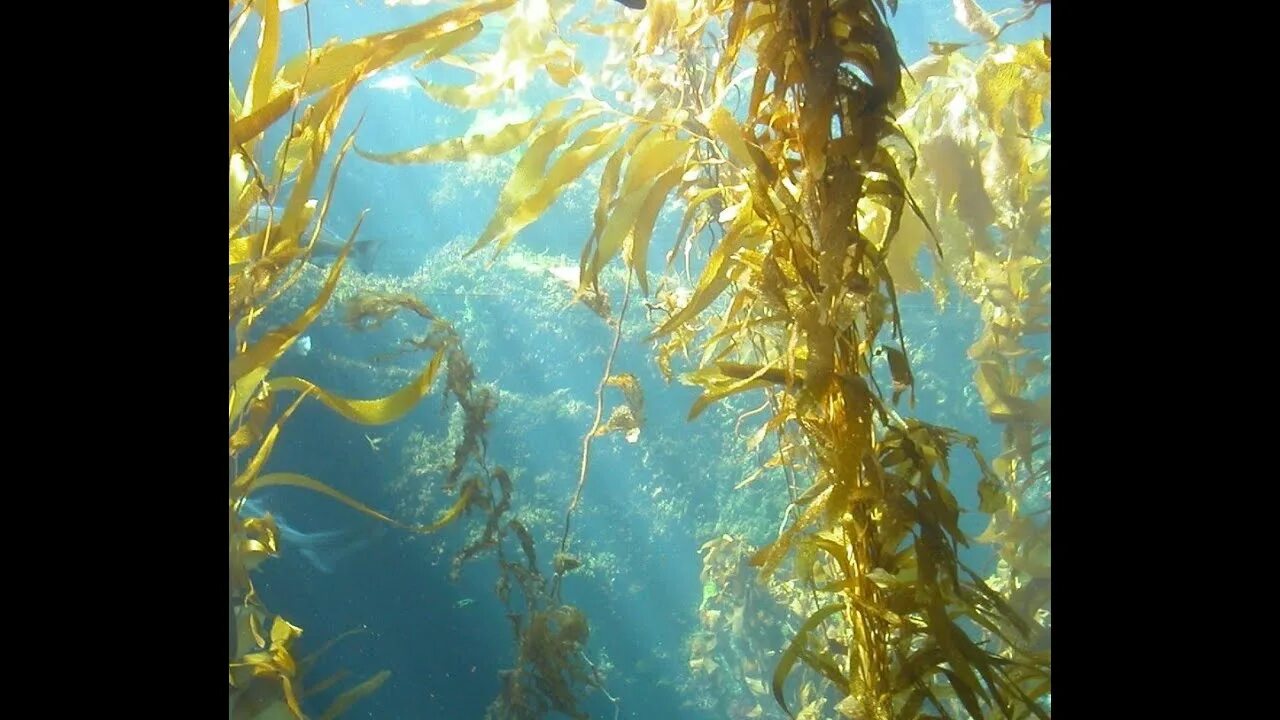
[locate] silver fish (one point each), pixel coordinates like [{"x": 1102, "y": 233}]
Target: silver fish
[{"x": 328, "y": 243}]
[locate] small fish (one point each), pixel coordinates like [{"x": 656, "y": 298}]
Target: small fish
[
  {"x": 633, "y": 4},
  {"x": 463, "y": 603},
  {"x": 328, "y": 243}
]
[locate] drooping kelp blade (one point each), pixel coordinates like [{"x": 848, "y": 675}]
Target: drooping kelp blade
[
  {"x": 795, "y": 650},
  {"x": 457, "y": 149},
  {"x": 325, "y": 67},
  {"x": 654, "y": 169},
  {"x": 379, "y": 411},
  {"x": 302, "y": 481},
  {"x": 588, "y": 148},
  {"x": 529, "y": 172}
]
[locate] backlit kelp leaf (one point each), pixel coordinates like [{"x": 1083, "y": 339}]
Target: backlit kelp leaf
[
  {"x": 645, "y": 219},
  {"x": 465, "y": 497},
  {"x": 378, "y": 411},
  {"x": 744, "y": 233},
  {"x": 584, "y": 152},
  {"x": 259, "y": 90},
  {"x": 329, "y": 65},
  {"x": 471, "y": 96},
  {"x": 247, "y": 128},
  {"x": 343, "y": 702},
  {"x": 1014, "y": 84},
  {"x": 464, "y": 148},
  {"x": 562, "y": 72},
  {"x": 252, "y": 425},
  {"x": 527, "y": 177},
  {"x": 529, "y": 40},
  {"x": 326, "y": 67},
  {"x": 789, "y": 656},
  {"x": 609, "y": 178},
  {"x": 696, "y": 201},
  {"x": 653, "y": 158},
  {"x": 725, "y": 379},
  {"x": 768, "y": 557}
]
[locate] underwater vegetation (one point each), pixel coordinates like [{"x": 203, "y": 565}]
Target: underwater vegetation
[
  {"x": 265, "y": 678},
  {"x": 815, "y": 179}
]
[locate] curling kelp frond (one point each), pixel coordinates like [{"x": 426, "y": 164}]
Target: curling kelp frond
[{"x": 263, "y": 262}]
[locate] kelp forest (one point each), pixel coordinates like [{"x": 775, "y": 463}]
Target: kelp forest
[{"x": 832, "y": 259}]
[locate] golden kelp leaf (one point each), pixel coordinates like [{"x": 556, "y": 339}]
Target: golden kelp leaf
[
  {"x": 282, "y": 631},
  {"x": 526, "y": 179},
  {"x": 727, "y": 129},
  {"x": 564, "y": 71},
  {"x": 1014, "y": 82},
  {"x": 608, "y": 188},
  {"x": 464, "y": 97},
  {"x": 903, "y": 253},
  {"x": 794, "y": 650},
  {"x": 958, "y": 181},
  {"x": 242, "y": 191},
  {"x": 646, "y": 217},
  {"x": 768, "y": 557},
  {"x": 720, "y": 385},
  {"x": 584, "y": 152},
  {"x": 329, "y": 65},
  {"x": 343, "y": 702},
  {"x": 247, "y": 128},
  {"x": 258, "y": 93},
  {"x": 302, "y": 481},
  {"x": 378, "y": 411},
  {"x": 466, "y": 147},
  {"x": 652, "y": 159},
  {"x": 328, "y": 109},
  {"x": 334, "y": 63},
  {"x": 1002, "y": 405},
  {"x": 745, "y": 233},
  {"x": 250, "y": 431}
]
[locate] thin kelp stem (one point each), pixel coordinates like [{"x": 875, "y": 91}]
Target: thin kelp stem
[{"x": 591, "y": 433}]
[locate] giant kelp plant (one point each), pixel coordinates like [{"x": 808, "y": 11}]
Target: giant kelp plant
[
  {"x": 814, "y": 168},
  {"x": 802, "y": 191}
]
